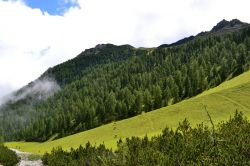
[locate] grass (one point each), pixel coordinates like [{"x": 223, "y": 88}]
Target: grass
[
  {"x": 34, "y": 157},
  {"x": 221, "y": 103}
]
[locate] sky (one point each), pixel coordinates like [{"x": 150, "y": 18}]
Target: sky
[
  {"x": 38, "y": 34},
  {"x": 53, "y": 7}
]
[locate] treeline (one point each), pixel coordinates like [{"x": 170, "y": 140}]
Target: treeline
[
  {"x": 130, "y": 82},
  {"x": 227, "y": 145}
]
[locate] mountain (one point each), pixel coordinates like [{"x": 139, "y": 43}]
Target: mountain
[
  {"x": 101, "y": 54},
  {"x": 110, "y": 83},
  {"x": 229, "y": 26},
  {"x": 222, "y": 27},
  {"x": 221, "y": 102}
]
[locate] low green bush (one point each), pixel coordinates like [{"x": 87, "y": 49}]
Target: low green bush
[{"x": 228, "y": 144}]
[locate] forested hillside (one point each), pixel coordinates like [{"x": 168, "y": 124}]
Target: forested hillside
[
  {"x": 72, "y": 70},
  {"x": 109, "y": 83}
]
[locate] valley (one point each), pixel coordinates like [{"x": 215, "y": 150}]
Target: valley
[
  {"x": 113, "y": 105},
  {"x": 221, "y": 102}
]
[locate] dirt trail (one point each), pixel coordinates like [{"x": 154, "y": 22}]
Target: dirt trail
[{"x": 24, "y": 159}]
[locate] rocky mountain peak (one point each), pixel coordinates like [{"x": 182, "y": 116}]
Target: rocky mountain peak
[{"x": 224, "y": 24}]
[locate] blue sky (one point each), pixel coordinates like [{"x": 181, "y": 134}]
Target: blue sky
[{"x": 53, "y": 7}]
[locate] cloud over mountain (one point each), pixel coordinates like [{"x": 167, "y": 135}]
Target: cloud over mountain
[{"x": 32, "y": 40}]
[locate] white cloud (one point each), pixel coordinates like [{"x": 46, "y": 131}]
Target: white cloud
[{"x": 32, "y": 41}]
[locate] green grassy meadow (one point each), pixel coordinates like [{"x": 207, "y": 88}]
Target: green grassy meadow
[{"x": 221, "y": 102}]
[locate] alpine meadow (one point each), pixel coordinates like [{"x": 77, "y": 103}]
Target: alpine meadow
[{"x": 185, "y": 103}]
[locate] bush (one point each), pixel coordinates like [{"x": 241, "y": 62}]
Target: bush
[
  {"x": 8, "y": 157},
  {"x": 227, "y": 145}
]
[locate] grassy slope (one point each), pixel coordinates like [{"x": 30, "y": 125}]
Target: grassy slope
[{"x": 221, "y": 102}]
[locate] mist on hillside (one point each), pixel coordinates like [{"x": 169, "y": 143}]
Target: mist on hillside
[{"x": 40, "y": 89}]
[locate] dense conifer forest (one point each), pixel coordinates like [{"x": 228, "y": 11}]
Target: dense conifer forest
[
  {"x": 228, "y": 144},
  {"x": 109, "y": 83}
]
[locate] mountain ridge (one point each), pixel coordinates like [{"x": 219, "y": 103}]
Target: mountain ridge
[
  {"x": 223, "y": 26},
  {"x": 152, "y": 123},
  {"x": 109, "y": 83}
]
